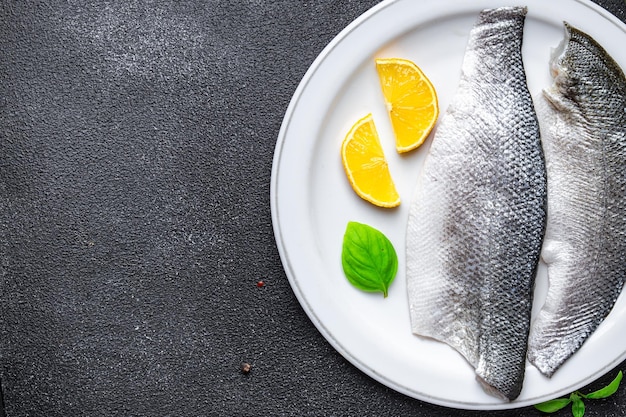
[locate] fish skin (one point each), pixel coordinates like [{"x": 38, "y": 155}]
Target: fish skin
[
  {"x": 583, "y": 121},
  {"x": 477, "y": 218}
]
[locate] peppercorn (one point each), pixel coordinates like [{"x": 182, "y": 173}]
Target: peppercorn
[{"x": 246, "y": 368}]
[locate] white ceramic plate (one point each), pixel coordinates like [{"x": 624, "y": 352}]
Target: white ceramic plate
[{"x": 312, "y": 200}]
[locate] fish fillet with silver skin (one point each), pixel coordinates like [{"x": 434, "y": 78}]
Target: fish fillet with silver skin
[
  {"x": 477, "y": 218},
  {"x": 583, "y": 121}
]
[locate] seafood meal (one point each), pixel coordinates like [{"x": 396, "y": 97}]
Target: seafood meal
[{"x": 510, "y": 180}]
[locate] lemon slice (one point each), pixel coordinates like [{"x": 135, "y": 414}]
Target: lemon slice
[
  {"x": 411, "y": 101},
  {"x": 366, "y": 166}
]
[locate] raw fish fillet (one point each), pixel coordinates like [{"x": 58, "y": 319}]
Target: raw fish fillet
[
  {"x": 583, "y": 121},
  {"x": 477, "y": 219}
]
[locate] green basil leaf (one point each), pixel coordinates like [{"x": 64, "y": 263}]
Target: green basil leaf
[
  {"x": 578, "y": 406},
  {"x": 368, "y": 258},
  {"x": 553, "y": 405},
  {"x": 608, "y": 390}
]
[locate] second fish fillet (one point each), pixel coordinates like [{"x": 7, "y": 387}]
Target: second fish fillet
[
  {"x": 583, "y": 119},
  {"x": 477, "y": 219}
]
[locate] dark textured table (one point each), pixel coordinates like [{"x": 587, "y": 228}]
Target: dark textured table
[{"x": 136, "y": 144}]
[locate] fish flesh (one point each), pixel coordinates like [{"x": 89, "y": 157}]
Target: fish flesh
[
  {"x": 583, "y": 123},
  {"x": 477, "y": 219}
]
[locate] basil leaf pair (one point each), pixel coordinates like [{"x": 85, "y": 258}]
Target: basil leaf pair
[
  {"x": 576, "y": 399},
  {"x": 368, "y": 258}
]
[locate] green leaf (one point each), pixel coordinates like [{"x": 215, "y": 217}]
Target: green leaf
[
  {"x": 553, "y": 405},
  {"x": 608, "y": 390},
  {"x": 578, "y": 406},
  {"x": 368, "y": 258}
]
